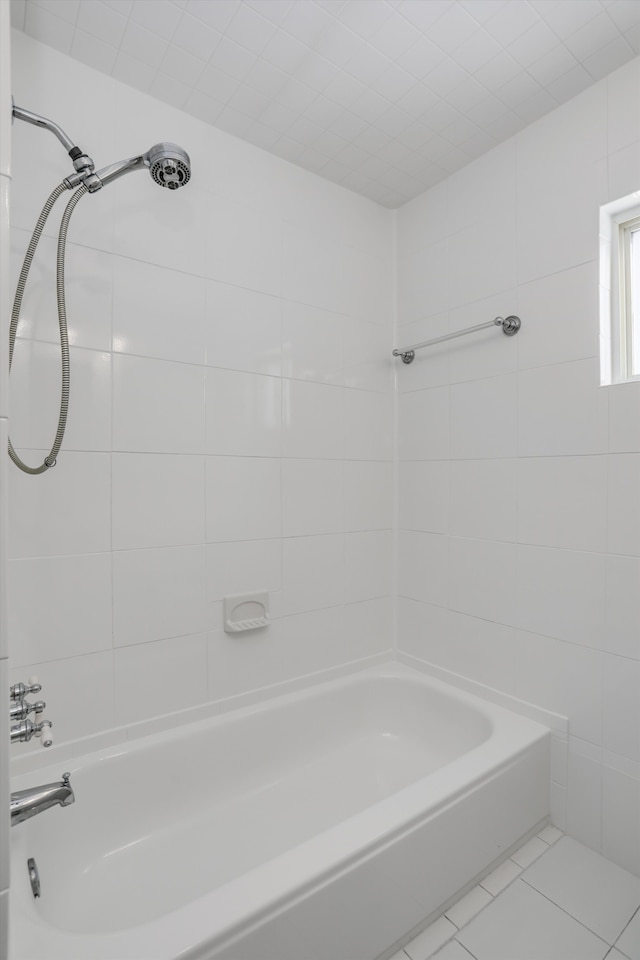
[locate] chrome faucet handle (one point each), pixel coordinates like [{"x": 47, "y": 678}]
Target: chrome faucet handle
[
  {"x": 23, "y": 732},
  {"x": 21, "y": 709},
  {"x": 20, "y": 690}
]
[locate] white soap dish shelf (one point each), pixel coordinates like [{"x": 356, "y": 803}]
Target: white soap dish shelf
[{"x": 246, "y": 611}]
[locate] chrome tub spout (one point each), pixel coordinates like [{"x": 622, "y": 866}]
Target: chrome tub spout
[{"x": 29, "y": 803}]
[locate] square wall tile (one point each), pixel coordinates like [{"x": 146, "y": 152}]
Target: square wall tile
[
  {"x": 484, "y": 418},
  {"x": 423, "y": 425},
  {"x": 156, "y": 678},
  {"x": 243, "y": 329},
  {"x": 243, "y": 414},
  {"x": 368, "y": 495},
  {"x": 158, "y": 500},
  {"x": 74, "y": 605},
  {"x": 423, "y": 567},
  {"x": 367, "y": 565},
  {"x": 624, "y": 504},
  {"x": 312, "y": 343},
  {"x": 491, "y": 484},
  {"x": 158, "y": 593},
  {"x": 313, "y": 573},
  {"x": 313, "y": 420},
  {"x": 243, "y": 498},
  {"x": 424, "y": 492},
  {"x": 312, "y": 497},
  {"x": 244, "y": 566}
]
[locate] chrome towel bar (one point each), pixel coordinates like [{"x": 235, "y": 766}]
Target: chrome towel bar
[{"x": 510, "y": 326}]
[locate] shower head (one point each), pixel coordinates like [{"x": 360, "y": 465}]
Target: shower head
[{"x": 168, "y": 164}]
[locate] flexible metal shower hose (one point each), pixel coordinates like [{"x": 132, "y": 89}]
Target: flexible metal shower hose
[{"x": 50, "y": 459}]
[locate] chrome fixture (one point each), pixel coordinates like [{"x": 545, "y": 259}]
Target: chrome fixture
[
  {"x": 23, "y": 729},
  {"x": 29, "y": 803},
  {"x": 510, "y": 326},
  {"x": 34, "y": 876},
  {"x": 169, "y": 166}
]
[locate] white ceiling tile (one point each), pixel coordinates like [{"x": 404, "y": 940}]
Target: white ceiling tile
[
  {"x": 44, "y": 26},
  {"x": 505, "y": 126},
  {"x": 284, "y": 52},
  {"x": 435, "y": 148},
  {"x": 145, "y": 46},
  {"x": 170, "y": 90},
  {"x": 180, "y": 65},
  {"x": 487, "y": 111},
  {"x": 349, "y": 126},
  {"x": 120, "y": 6},
  {"x": 454, "y": 160},
  {"x": 498, "y": 71},
  {"x": 553, "y": 65},
  {"x": 590, "y": 38},
  {"x": 394, "y": 83},
  {"x": 249, "y": 102},
  {"x": 375, "y": 168},
  {"x": 203, "y": 107},
  {"x": 160, "y": 17},
  {"x": 567, "y": 17},
  {"x": 323, "y": 111},
  {"x": 65, "y": 9},
  {"x": 533, "y": 44},
  {"x": 632, "y": 36},
  {"x": 344, "y": 89},
  {"x": 459, "y": 130},
  {"x": 511, "y": 22},
  {"x": 422, "y": 57},
  {"x": 332, "y": 6},
  {"x": 438, "y": 115},
  {"x": 339, "y": 44},
  {"x": 625, "y": 14},
  {"x": 370, "y": 139},
  {"x": 250, "y": 30},
  {"x": 393, "y": 122},
  {"x": 416, "y": 100},
  {"x": 478, "y": 144},
  {"x": 92, "y": 51},
  {"x": 306, "y": 21},
  {"x": 217, "y": 84},
  {"x": 477, "y": 50},
  {"x": 329, "y": 143},
  {"x": 316, "y": 72},
  {"x": 288, "y": 149},
  {"x": 278, "y": 116},
  {"x": 274, "y": 10},
  {"x": 445, "y": 77},
  {"x": 217, "y": 15},
  {"x": 233, "y": 122},
  {"x": 517, "y": 90},
  {"x": 453, "y": 28},
  {"x": 395, "y": 36},
  {"x": 266, "y": 78},
  {"x": 415, "y": 136},
  {"x": 196, "y": 37},
  {"x": 233, "y": 59},
  {"x": 609, "y": 58},
  {"x": 422, "y": 14},
  {"x": 133, "y": 72},
  {"x": 352, "y": 155},
  {"x": 101, "y": 21},
  {"x": 466, "y": 95},
  {"x": 367, "y": 65},
  {"x": 365, "y": 17},
  {"x": 313, "y": 160},
  {"x": 483, "y": 10},
  {"x": 296, "y": 96},
  {"x": 370, "y": 105}
]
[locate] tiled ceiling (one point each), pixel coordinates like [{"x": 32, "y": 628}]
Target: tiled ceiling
[{"x": 386, "y": 97}]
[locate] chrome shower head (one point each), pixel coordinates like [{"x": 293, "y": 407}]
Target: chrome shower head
[{"x": 169, "y": 165}]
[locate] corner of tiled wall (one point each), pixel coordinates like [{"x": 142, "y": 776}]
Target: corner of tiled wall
[{"x": 5, "y": 179}]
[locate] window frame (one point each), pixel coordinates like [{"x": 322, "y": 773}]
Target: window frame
[{"x": 619, "y": 313}]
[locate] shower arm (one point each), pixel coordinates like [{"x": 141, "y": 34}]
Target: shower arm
[{"x": 83, "y": 164}]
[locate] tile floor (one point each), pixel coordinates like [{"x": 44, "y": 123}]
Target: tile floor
[{"x": 554, "y": 899}]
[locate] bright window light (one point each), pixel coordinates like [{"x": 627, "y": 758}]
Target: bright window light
[{"x": 620, "y": 290}]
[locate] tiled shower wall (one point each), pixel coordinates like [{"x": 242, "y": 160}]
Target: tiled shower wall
[
  {"x": 519, "y": 476},
  {"x": 230, "y": 419}
]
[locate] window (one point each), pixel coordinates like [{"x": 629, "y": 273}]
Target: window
[{"x": 620, "y": 290}]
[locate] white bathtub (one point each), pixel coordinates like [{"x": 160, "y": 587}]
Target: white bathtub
[{"x": 321, "y": 825}]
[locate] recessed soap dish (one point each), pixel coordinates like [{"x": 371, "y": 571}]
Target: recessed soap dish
[{"x": 246, "y": 611}]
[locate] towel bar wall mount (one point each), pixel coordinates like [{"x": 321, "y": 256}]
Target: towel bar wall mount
[{"x": 510, "y": 326}]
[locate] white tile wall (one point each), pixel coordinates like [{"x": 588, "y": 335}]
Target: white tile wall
[
  {"x": 231, "y": 416},
  {"x": 519, "y": 551}
]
